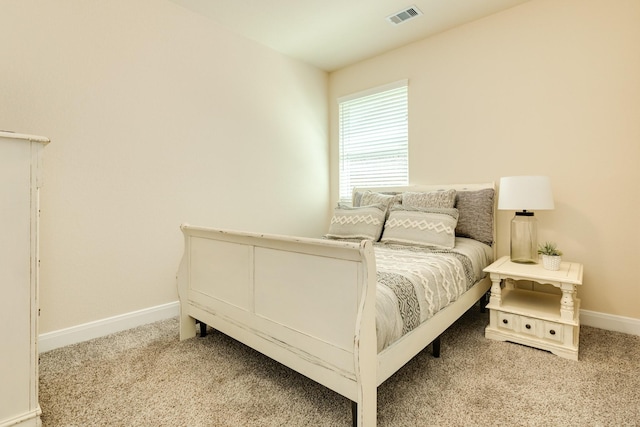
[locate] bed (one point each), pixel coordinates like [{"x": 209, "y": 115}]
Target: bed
[{"x": 350, "y": 308}]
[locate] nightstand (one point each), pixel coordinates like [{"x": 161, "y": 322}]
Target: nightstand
[{"x": 543, "y": 320}]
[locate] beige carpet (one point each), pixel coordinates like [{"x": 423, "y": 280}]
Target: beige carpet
[{"x": 147, "y": 377}]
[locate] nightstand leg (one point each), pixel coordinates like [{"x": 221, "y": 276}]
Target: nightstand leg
[
  {"x": 567, "y": 304},
  {"x": 496, "y": 292}
]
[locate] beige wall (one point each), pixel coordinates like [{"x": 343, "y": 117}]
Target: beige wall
[
  {"x": 550, "y": 87},
  {"x": 157, "y": 116}
]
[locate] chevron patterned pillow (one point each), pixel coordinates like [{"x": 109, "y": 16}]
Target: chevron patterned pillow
[
  {"x": 421, "y": 226},
  {"x": 364, "y": 222}
]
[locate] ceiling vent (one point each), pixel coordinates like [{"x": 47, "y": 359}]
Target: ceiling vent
[{"x": 404, "y": 15}]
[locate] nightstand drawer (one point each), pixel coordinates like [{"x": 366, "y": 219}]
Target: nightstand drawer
[
  {"x": 529, "y": 326},
  {"x": 553, "y": 331},
  {"x": 507, "y": 320}
]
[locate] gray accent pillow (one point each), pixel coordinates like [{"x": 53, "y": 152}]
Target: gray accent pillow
[
  {"x": 421, "y": 226},
  {"x": 476, "y": 214},
  {"x": 431, "y": 199},
  {"x": 368, "y": 197},
  {"x": 362, "y": 222}
]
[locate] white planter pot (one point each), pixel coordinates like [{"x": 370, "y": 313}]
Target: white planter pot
[{"x": 551, "y": 262}]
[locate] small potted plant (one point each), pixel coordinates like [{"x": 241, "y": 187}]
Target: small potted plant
[{"x": 550, "y": 255}]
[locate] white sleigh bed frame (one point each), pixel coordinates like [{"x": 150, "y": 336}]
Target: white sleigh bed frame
[{"x": 306, "y": 303}]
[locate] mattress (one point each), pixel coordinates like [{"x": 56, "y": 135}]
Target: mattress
[{"x": 414, "y": 282}]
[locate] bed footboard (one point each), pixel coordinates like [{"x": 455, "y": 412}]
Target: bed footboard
[{"x": 307, "y": 303}]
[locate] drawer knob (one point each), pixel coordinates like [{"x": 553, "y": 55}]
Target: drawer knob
[
  {"x": 552, "y": 332},
  {"x": 528, "y": 326},
  {"x": 505, "y": 321}
]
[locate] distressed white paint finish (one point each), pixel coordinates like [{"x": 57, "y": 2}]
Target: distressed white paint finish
[
  {"x": 294, "y": 284},
  {"x": 215, "y": 265},
  {"x": 297, "y": 298},
  {"x": 543, "y": 320},
  {"x": 19, "y": 184},
  {"x": 307, "y": 303}
]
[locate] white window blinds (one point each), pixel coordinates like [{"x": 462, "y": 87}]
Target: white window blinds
[{"x": 374, "y": 143}]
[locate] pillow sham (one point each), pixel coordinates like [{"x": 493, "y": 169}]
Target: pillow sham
[
  {"x": 431, "y": 199},
  {"x": 371, "y": 198},
  {"x": 362, "y": 222},
  {"x": 421, "y": 226},
  {"x": 475, "y": 210},
  {"x": 368, "y": 197}
]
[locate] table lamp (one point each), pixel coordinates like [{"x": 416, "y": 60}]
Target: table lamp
[{"x": 524, "y": 194}]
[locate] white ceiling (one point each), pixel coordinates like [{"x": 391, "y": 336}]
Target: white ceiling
[{"x": 331, "y": 34}]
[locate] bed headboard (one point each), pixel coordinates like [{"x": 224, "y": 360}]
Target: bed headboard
[
  {"x": 476, "y": 203},
  {"x": 428, "y": 187}
]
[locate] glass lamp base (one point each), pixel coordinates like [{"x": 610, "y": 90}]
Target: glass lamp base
[{"x": 524, "y": 238}]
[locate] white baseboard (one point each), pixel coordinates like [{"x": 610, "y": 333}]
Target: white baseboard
[
  {"x": 610, "y": 322},
  {"x": 99, "y": 328}
]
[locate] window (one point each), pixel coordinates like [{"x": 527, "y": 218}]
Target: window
[{"x": 374, "y": 143}]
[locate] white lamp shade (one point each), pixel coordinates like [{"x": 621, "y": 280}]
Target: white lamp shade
[{"x": 520, "y": 193}]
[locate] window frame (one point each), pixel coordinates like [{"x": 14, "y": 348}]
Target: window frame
[{"x": 391, "y": 101}]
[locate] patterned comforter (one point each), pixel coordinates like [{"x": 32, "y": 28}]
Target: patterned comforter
[{"x": 414, "y": 282}]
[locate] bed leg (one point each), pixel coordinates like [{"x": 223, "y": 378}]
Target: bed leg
[
  {"x": 354, "y": 413},
  {"x": 483, "y": 302},
  {"x": 203, "y": 329},
  {"x": 436, "y": 347}
]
